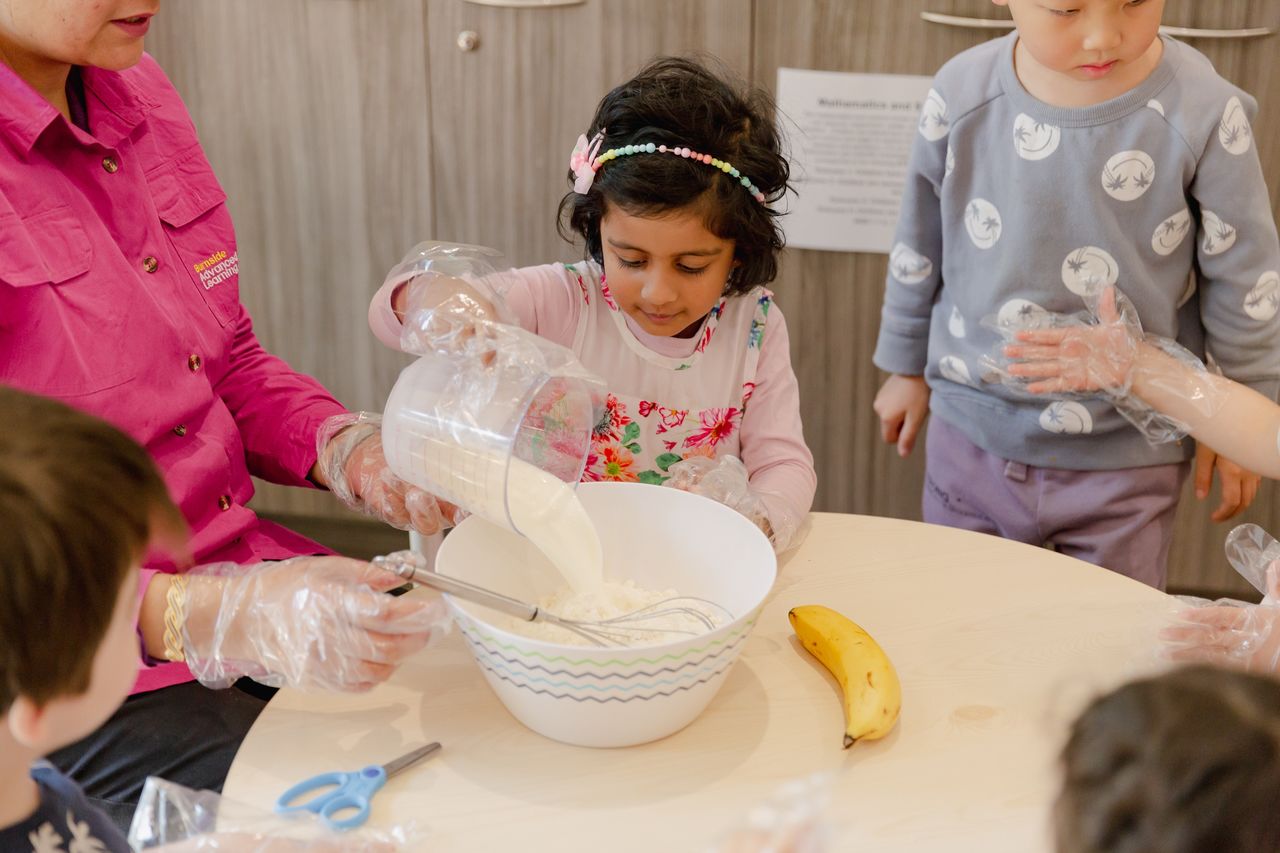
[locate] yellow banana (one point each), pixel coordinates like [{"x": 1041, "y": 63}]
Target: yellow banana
[{"x": 872, "y": 692}]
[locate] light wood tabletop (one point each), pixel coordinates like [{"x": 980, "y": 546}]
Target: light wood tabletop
[{"x": 997, "y": 645}]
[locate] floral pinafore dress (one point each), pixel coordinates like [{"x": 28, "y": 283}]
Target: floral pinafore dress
[{"x": 660, "y": 410}]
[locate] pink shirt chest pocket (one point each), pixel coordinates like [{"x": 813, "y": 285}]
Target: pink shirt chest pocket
[
  {"x": 58, "y": 326},
  {"x": 197, "y": 225}
]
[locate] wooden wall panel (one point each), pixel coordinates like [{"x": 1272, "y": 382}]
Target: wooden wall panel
[
  {"x": 832, "y": 300},
  {"x": 314, "y": 116},
  {"x": 504, "y": 116}
]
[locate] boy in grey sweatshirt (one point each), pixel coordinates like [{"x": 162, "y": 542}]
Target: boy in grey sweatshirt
[{"x": 1082, "y": 150}]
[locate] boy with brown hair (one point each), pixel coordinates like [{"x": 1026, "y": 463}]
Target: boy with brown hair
[
  {"x": 79, "y": 504},
  {"x": 1183, "y": 762}
]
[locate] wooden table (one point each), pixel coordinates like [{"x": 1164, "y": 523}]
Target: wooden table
[{"x": 997, "y": 645}]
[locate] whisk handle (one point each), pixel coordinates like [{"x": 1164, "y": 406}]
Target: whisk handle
[{"x": 471, "y": 592}]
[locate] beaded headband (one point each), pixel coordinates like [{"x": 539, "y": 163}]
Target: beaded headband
[{"x": 584, "y": 162}]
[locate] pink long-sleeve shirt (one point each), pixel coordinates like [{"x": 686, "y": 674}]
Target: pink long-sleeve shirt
[
  {"x": 119, "y": 295},
  {"x": 548, "y": 301}
]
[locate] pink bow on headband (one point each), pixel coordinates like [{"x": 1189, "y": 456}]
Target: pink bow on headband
[{"x": 582, "y": 162}]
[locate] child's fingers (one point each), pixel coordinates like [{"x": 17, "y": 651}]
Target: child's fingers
[
  {"x": 1056, "y": 385},
  {"x": 1249, "y": 491},
  {"x": 889, "y": 428},
  {"x": 1214, "y": 652},
  {"x": 1232, "y": 495},
  {"x": 1042, "y": 336},
  {"x": 1217, "y": 617},
  {"x": 1107, "y": 310},
  {"x": 1032, "y": 352},
  {"x": 1037, "y": 369},
  {"x": 911, "y": 426},
  {"x": 1204, "y": 470}
]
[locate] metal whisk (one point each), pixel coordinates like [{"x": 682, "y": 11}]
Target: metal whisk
[{"x": 617, "y": 631}]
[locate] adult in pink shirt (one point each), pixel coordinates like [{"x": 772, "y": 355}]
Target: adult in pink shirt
[{"x": 119, "y": 294}]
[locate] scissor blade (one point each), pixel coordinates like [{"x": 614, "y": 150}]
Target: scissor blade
[{"x": 394, "y": 767}]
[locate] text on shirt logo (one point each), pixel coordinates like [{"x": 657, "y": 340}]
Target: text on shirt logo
[{"x": 217, "y": 268}]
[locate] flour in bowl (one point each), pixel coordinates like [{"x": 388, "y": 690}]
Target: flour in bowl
[{"x": 612, "y": 599}]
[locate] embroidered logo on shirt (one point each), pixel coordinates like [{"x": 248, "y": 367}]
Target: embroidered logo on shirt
[{"x": 217, "y": 268}]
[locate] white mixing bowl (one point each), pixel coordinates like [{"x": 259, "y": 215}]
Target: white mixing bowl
[{"x": 662, "y": 539}]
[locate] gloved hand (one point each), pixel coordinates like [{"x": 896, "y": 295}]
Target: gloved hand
[
  {"x": 1096, "y": 352},
  {"x": 314, "y": 623},
  {"x": 1254, "y": 553},
  {"x": 1234, "y": 633},
  {"x": 350, "y": 460},
  {"x": 724, "y": 480},
  {"x": 1227, "y": 633},
  {"x": 449, "y": 298},
  {"x": 1103, "y": 352},
  {"x": 451, "y": 316}
]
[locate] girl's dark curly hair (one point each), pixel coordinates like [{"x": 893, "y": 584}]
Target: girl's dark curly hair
[
  {"x": 1186, "y": 762},
  {"x": 680, "y": 102}
]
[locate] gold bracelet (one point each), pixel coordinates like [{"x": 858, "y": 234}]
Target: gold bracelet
[{"x": 174, "y": 610}]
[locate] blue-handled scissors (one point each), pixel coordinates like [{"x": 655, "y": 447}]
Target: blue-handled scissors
[{"x": 350, "y": 790}]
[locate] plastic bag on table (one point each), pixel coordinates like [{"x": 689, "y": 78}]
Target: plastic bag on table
[
  {"x": 173, "y": 818},
  {"x": 790, "y": 821}
]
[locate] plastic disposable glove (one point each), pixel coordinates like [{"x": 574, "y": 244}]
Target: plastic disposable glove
[
  {"x": 450, "y": 297},
  {"x": 1093, "y": 352},
  {"x": 1104, "y": 352},
  {"x": 350, "y": 459},
  {"x": 451, "y": 316},
  {"x": 1235, "y": 633},
  {"x": 314, "y": 623},
  {"x": 724, "y": 480},
  {"x": 1254, "y": 553}
]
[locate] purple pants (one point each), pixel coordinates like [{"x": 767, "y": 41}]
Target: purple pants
[{"x": 1121, "y": 519}]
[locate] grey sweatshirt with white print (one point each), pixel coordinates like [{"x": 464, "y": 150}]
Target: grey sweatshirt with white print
[{"x": 1014, "y": 207}]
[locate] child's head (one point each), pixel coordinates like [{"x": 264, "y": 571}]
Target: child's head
[
  {"x": 1187, "y": 762},
  {"x": 80, "y": 502},
  {"x": 102, "y": 33},
  {"x": 1102, "y": 42},
  {"x": 674, "y": 234}
]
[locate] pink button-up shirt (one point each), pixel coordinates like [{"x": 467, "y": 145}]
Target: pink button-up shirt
[{"x": 119, "y": 294}]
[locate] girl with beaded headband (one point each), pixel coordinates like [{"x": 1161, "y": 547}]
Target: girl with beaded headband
[{"x": 671, "y": 196}]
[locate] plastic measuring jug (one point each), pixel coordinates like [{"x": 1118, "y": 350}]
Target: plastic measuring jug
[{"x": 495, "y": 419}]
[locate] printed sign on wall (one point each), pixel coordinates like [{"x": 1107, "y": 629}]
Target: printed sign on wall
[{"x": 850, "y": 137}]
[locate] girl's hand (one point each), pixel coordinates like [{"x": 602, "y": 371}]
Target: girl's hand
[
  {"x": 447, "y": 316},
  {"x": 1081, "y": 358},
  {"x": 725, "y": 480},
  {"x": 902, "y": 404}
]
